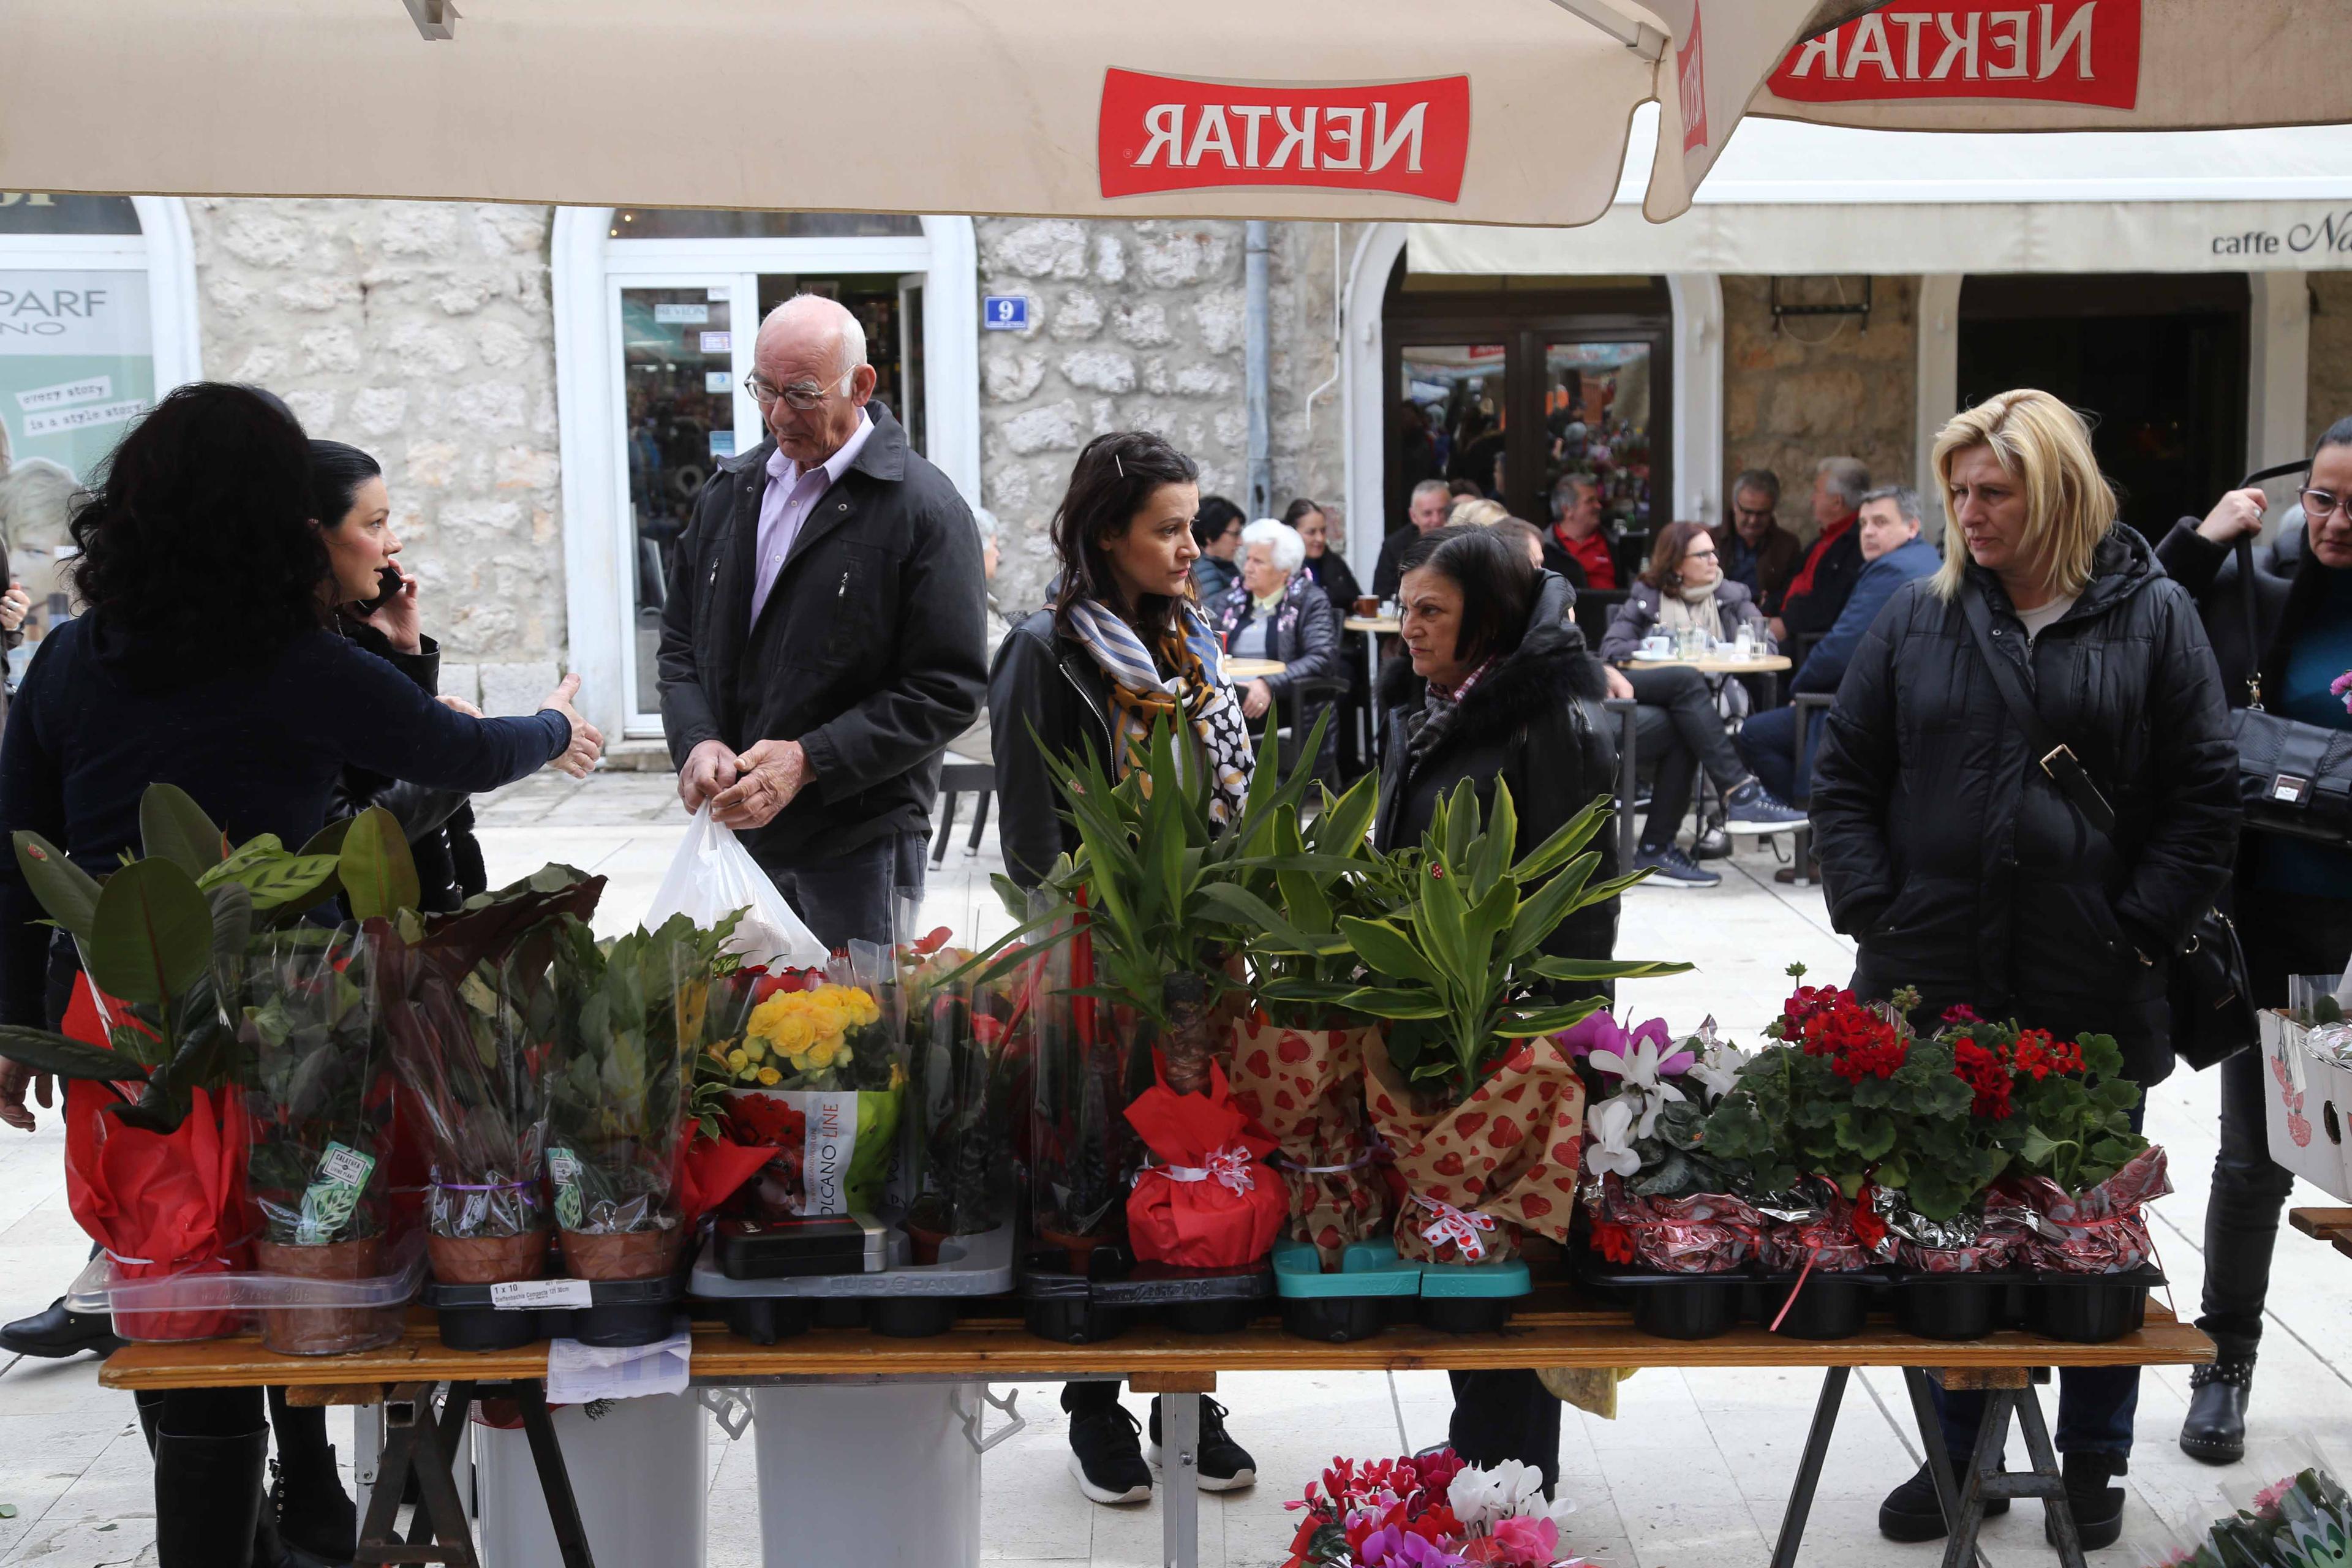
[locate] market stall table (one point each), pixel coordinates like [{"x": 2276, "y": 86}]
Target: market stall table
[
  {"x": 1557, "y": 1328},
  {"x": 2331, "y": 1225}
]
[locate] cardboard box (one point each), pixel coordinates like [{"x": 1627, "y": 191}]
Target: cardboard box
[{"x": 2308, "y": 1107}]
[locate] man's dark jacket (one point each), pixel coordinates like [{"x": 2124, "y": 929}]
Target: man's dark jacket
[
  {"x": 1906, "y": 562},
  {"x": 869, "y": 651},
  {"x": 1960, "y": 866},
  {"x": 1817, "y": 609},
  {"x": 1532, "y": 721}
]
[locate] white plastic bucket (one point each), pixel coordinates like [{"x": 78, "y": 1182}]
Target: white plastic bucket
[
  {"x": 841, "y": 1467},
  {"x": 639, "y": 1472}
]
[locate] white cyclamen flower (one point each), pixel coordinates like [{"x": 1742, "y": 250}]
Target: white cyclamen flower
[
  {"x": 1610, "y": 1123},
  {"x": 1507, "y": 1489}
]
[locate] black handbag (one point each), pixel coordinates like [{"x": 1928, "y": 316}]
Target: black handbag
[
  {"x": 2207, "y": 991},
  {"x": 2294, "y": 778}
]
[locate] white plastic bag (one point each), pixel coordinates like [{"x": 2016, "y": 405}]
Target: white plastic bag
[{"x": 712, "y": 876}]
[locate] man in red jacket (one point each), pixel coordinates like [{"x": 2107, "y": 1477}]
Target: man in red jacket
[
  {"x": 1817, "y": 594},
  {"x": 1577, "y": 546}
]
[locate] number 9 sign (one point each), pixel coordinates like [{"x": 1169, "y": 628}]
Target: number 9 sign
[{"x": 1004, "y": 312}]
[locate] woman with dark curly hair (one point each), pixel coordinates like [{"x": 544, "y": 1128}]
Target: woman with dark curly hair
[{"x": 205, "y": 658}]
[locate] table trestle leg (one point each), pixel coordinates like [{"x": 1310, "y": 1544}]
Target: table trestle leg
[
  {"x": 420, "y": 1446},
  {"x": 1179, "y": 1480},
  {"x": 1809, "y": 1469},
  {"x": 554, "y": 1480}
]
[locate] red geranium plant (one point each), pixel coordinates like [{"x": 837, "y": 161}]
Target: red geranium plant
[{"x": 1853, "y": 1094}]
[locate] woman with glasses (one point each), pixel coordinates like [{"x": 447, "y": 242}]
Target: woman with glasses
[
  {"x": 1683, "y": 589},
  {"x": 2291, "y": 897}
]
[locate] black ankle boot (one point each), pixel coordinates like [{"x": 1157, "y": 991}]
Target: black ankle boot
[
  {"x": 317, "y": 1518},
  {"x": 2215, "y": 1430},
  {"x": 2098, "y": 1508}
]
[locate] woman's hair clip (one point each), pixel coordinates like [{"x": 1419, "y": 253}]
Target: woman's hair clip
[{"x": 1119, "y": 466}]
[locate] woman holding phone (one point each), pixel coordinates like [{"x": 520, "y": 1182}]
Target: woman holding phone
[{"x": 207, "y": 658}]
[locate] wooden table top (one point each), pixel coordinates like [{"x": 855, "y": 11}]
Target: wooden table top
[
  {"x": 1252, "y": 668},
  {"x": 1388, "y": 626},
  {"x": 2331, "y": 1225},
  {"x": 1762, "y": 664},
  {"x": 1555, "y": 1328}
]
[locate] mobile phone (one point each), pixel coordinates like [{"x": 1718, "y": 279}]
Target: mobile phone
[{"x": 387, "y": 581}]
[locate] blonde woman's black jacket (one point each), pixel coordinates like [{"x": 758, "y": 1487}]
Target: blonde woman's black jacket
[
  {"x": 1954, "y": 861},
  {"x": 867, "y": 652},
  {"x": 1534, "y": 722}
]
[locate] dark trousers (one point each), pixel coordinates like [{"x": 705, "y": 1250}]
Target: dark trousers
[
  {"x": 2283, "y": 934},
  {"x": 1501, "y": 1415},
  {"x": 1676, "y": 724},
  {"x": 1767, "y": 744},
  {"x": 847, "y": 899},
  {"x": 2095, "y": 1403}
]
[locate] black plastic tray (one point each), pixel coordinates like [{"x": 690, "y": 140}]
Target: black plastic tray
[
  {"x": 1670, "y": 1306},
  {"x": 622, "y": 1312},
  {"x": 2090, "y": 1309},
  {"x": 1117, "y": 1293},
  {"x": 1957, "y": 1307},
  {"x": 1827, "y": 1305}
]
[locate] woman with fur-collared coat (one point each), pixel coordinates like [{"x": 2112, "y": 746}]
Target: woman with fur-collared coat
[{"x": 1499, "y": 686}]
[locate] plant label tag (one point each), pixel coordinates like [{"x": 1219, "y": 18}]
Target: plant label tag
[
  {"x": 829, "y": 1145},
  {"x": 532, "y": 1295},
  {"x": 334, "y": 1195},
  {"x": 563, "y": 1170}
]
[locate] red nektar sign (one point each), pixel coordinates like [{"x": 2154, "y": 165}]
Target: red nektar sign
[
  {"x": 1690, "y": 76},
  {"x": 1168, "y": 133},
  {"x": 2058, "y": 51}
]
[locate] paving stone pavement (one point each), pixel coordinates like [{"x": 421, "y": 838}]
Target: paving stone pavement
[{"x": 1695, "y": 1470}]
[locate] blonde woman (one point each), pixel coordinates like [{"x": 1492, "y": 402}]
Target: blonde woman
[{"x": 1962, "y": 867}]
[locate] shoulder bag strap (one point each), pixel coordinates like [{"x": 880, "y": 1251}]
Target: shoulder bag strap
[
  {"x": 2057, "y": 759},
  {"x": 2254, "y": 649}
]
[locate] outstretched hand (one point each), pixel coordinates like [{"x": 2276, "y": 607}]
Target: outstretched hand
[{"x": 587, "y": 742}]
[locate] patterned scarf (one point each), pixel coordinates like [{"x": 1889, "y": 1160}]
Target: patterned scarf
[
  {"x": 1428, "y": 730},
  {"x": 1141, "y": 696}
]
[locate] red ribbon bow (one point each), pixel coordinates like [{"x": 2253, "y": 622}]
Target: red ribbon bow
[{"x": 1460, "y": 1226}]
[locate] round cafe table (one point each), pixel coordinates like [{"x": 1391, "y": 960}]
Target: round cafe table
[
  {"x": 1761, "y": 664},
  {"x": 1240, "y": 670},
  {"x": 1379, "y": 626}
]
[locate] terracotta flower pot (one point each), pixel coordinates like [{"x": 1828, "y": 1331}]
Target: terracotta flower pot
[
  {"x": 922, "y": 1242},
  {"x": 1079, "y": 1248},
  {"x": 630, "y": 1254},
  {"x": 487, "y": 1259},
  {"x": 326, "y": 1330}
]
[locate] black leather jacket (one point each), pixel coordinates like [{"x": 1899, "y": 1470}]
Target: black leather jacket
[{"x": 1046, "y": 696}]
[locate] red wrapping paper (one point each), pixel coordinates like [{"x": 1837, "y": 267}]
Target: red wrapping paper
[
  {"x": 1224, "y": 1217},
  {"x": 1510, "y": 1151},
  {"x": 1304, "y": 1086},
  {"x": 1993, "y": 1251},
  {"x": 1707, "y": 1233},
  {"x": 160, "y": 1203},
  {"x": 2101, "y": 1231},
  {"x": 1826, "y": 1241},
  {"x": 711, "y": 1172}
]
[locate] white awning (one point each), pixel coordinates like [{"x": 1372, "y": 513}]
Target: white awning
[{"x": 1791, "y": 197}]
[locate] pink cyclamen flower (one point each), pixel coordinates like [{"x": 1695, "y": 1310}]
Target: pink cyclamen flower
[
  {"x": 2342, "y": 686},
  {"x": 1394, "y": 1547}
]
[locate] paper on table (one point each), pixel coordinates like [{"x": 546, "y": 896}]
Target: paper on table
[{"x": 577, "y": 1374}]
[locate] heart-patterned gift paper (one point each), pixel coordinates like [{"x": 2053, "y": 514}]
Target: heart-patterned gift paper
[
  {"x": 1510, "y": 1150},
  {"x": 1305, "y": 1085}
]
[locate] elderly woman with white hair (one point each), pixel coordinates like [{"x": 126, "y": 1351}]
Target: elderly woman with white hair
[{"x": 1275, "y": 612}]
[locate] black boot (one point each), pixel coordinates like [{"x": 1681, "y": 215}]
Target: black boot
[
  {"x": 2098, "y": 1508},
  {"x": 1912, "y": 1512},
  {"x": 208, "y": 1500},
  {"x": 2215, "y": 1431},
  {"x": 317, "y": 1518},
  {"x": 54, "y": 1334}
]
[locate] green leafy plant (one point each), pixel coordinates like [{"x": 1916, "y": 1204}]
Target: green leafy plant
[
  {"x": 321, "y": 1104},
  {"x": 2047, "y": 1106},
  {"x": 963, "y": 1102},
  {"x": 1284, "y": 905},
  {"x": 629, "y": 1015},
  {"x": 165, "y": 936},
  {"x": 1454, "y": 959}
]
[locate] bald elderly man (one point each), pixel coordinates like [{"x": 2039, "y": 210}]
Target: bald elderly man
[{"x": 821, "y": 643}]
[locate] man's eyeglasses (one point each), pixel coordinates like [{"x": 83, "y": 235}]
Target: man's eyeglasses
[
  {"x": 1753, "y": 514},
  {"x": 803, "y": 395},
  {"x": 2319, "y": 504}
]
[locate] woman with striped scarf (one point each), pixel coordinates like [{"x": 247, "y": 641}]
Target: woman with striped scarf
[{"x": 1123, "y": 647}]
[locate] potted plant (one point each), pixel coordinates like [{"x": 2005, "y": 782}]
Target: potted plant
[
  {"x": 628, "y": 1016},
  {"x": 963, "y": 1100},
  {"x": 468, "y": 1010},
  {"x": 1483, "y": 1111},
  {"x": 1297, "y": 1066},
  {"x": 156, "y": 1173}
]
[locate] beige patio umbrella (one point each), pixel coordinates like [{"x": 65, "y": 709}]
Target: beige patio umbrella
[
  {"x": 2070, "y": 65},
  {"x": 1492, "y": 111}
]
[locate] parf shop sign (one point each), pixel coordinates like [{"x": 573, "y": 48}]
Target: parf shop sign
[
  {"x": 1168, "y": 133},
  {"x": 2058, "y": 51}
]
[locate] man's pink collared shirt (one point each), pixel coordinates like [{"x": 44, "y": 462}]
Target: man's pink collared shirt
[{"x": 792, "y": 494}]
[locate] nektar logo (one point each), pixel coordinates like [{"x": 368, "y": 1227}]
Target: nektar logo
[
  {"x": 1171, "y": 133},
  {"x": 2058, "y": 51}
]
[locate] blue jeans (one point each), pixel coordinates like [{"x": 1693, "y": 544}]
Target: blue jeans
[
  {"x": 847, "y": 899},
  {"x": 2095, "y": 1403},
  {"x": 1767, "y": 744}
]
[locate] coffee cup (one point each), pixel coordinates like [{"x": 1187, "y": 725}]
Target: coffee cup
[{"x": 1367, "y": 606}]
